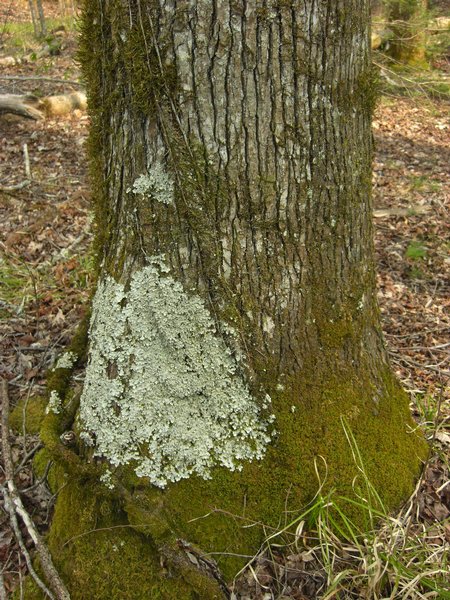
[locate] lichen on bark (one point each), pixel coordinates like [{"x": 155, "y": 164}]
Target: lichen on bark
[{"x": 162, "y": 390}]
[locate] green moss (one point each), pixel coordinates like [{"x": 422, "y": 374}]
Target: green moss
[
  {"x": 214, "y": 514},
  {"x": 149, "y": 83},
  {"x": 135, "y": 77},
  {"x": 53, "y": 425},
  {"x": 100, "y": 556},
  {"x": 28, "y": 413},
  {"x": 30, "y": 591},
  {"x": 55, "y": 474},
  {"x": 368, "y": 89}
]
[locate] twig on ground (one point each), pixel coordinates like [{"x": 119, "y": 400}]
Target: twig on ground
[
  {"x": 37, "y": 78},
  {"x": 14, "y": 188},
  {"x": 13, "y": 504},
  {"x": 41, "y": 480},
  {"x": 401, "y": 212},
  {"x": 2, "y": 588},
  {"x": 26, "y": 158},
  {"x": 27, "y": 457},
  {"x": 11, "y": 510},
  {"x": 399, "y": 359}
]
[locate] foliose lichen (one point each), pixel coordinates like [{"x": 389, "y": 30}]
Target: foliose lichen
[
  {"x": 163, "y": 390},
  {"x": 156, "y": 184},
  {"x": 54, "y": 403},
  {"x": 106, "y": 479},
  {"x": 66, "y": 361}
]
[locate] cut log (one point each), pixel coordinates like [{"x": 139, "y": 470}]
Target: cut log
[
  {"x": 37, "y": 108},
  {"x": 24, "y": 106},
  {"x": 65, "y": 104}
]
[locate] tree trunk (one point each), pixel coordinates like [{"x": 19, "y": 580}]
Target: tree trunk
[
  {"x": 235, "y": 332},
  {"x": 407, "y": 20},
  {"x": 33, "y": 17},
  {"x": 42, "y": 22}
]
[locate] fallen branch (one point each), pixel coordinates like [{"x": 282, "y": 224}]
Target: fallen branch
[
  {"x": 24, "y": 106},
  {"x": 399, "y": 359},
  {"x": 411, "y": 211},
  {"x": 3, "y": 595},
  {"x": 10, "y": 509},
  {"x": 26, "y": 158},
  {"x": 14, "y": 506},
  {"x": 50, "y": 106},
  {"x": 14, "y": 188},
  {"x": 37, "y": 78}
]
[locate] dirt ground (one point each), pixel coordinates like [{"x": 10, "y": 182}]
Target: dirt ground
[{"x": 46, "y": 275}]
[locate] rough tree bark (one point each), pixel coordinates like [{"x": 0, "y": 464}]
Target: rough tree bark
[{"x": 235, "y": 325}]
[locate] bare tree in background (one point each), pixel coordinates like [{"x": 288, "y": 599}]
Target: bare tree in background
[{"x": 38, "y": 18}]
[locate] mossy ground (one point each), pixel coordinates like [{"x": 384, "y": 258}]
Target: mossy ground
[
  {"x": 273, "y": 491},
  {"x": 122, "y": 543},
  {"x": 101, "y": 555}
]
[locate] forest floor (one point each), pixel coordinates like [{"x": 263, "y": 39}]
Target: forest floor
[{"x": 46, "y": 278}]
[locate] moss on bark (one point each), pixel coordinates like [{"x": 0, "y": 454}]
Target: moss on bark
[
  {"x": 408, "y": 22},
  {"x": 29, "y": 414}
]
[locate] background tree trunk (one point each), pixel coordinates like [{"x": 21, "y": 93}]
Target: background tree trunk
[
  {"x": 231, "y": 157},
  {"x": 42, "y": 22},
  {"x": 33, "y": 17},
  {"x": 408, "y": 22}
]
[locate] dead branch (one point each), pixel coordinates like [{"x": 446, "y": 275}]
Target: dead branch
[
  {"x": 37, "y": 78},
  {"x": 14, "y": 506},
  {"x": 24, "y": 106},
  {"x": 2, "y": 588},
  {"x": 26, "y": 158},
  {"x": 411, "y": 211},
  {"x": 10, "y": 509},
  {"x": 50, "y": 106},
  {"x": 14, "y": 188}
]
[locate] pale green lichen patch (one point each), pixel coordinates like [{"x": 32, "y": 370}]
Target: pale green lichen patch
[
  {"x": 162, "y": 389},
  {"x": 66, "y": 360},
  {"x": 54, "y": 403},
  {"x": 106, "y": 479},
  {"x": 156, "y": 184}
]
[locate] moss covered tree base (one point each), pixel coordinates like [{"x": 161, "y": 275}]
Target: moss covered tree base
[
  {"x": 255, "y": 150},
  {"x": 101, "y": 555},
  {"x": 132, "y": 541}
]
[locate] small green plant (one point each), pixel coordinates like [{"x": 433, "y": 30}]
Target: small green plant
[
  {"x": 415, "y": 273},
  {"x": 422, "y": 183},
  {"x": 415, "y": 250}
]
